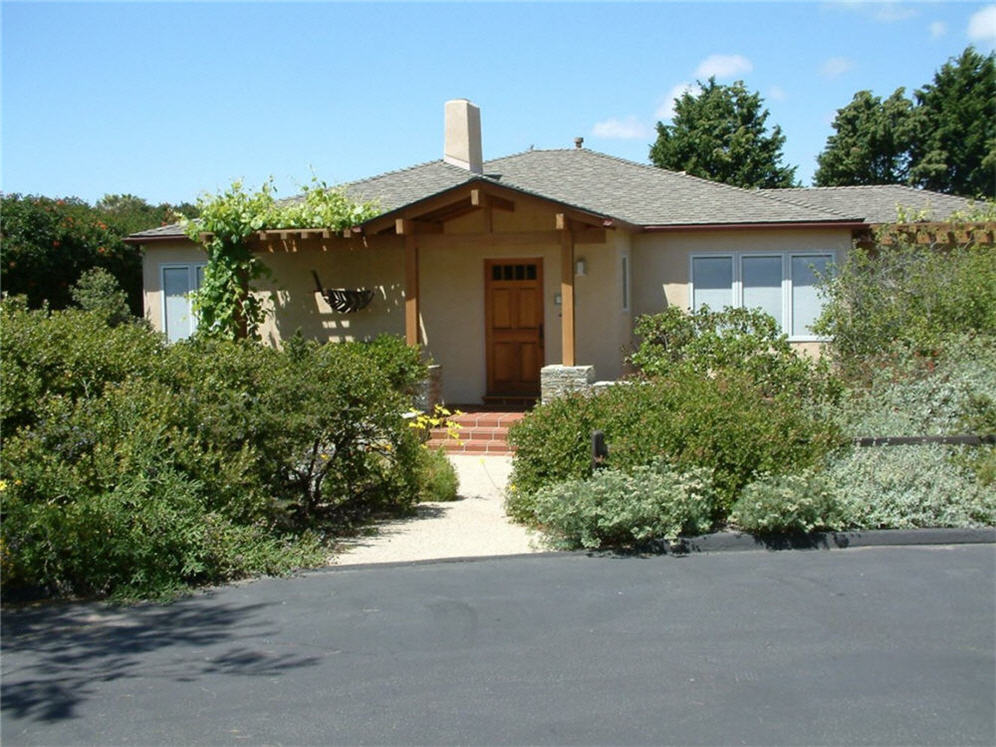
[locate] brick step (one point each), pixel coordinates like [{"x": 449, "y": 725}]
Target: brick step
[
  {"x": 471, "y": 433},
  {"x": 451, "y": 446},
  {"x": 497, "y": 437},
  {"x": 480, "y": 432},
  {"x": 487, "y": 419}
]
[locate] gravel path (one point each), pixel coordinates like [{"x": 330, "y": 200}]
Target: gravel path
[{"x": 475, "y": 525}]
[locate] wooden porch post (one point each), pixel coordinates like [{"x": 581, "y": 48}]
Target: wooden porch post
[
  {"x": 566, "y": 290},
  {"x": 411, "y": 282}
]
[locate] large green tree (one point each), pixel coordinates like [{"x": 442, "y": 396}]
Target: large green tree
[
  {"x": 48, "y": 243},
  {"x": 720, "y": 133},
  {"x": 954, "y": 147},
  {"x": 871, "y": 143},
  {"x": 130, "y": 214}
]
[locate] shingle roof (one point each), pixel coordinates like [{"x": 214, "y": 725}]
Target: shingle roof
[
  {"x": 168, "y": 231},
  {"x": 638, "y": 193},
  {"x": 645, "y": 195},
  {"x": 396, "y": 189},
  {"x": 876, "y": 203}
]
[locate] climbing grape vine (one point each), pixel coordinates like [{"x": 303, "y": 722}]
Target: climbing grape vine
[{"x": 224, "y": 302}]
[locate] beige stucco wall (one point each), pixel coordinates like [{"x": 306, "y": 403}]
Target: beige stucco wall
[
  {"x": 291, "y": 295},
  {"x": 452, "y": 287},
  {"x": 603, "y": 328},
  {"x": 155, "y": 256},
  {"x": 661, "y": 260}
]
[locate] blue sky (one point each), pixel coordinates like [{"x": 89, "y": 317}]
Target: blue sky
[{"x": 167, "y": 100}]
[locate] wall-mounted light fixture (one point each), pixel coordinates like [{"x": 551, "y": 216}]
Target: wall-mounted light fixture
[
  {"x": 557, "y": 300},
  {"x": 580, "y": 268}
]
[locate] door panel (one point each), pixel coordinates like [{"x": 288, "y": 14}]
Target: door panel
[
  {"x": 527, "y": 302},
  {"x": 502, "y": 305},
  {"x": 505, "y": 368},
  {"x": 514, "y": 325},
  {"x": 529, "y": 363}
]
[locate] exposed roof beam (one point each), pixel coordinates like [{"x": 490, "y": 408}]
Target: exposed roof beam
[
  {"x": 408, "y": 227},
  {"x": 480, "y": 198}
]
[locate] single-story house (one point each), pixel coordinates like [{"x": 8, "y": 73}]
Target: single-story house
[{"x": 538, "y": 259}]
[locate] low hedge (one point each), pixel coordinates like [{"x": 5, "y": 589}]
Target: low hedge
[
  {"x": 723, "y": 423},
  {"x": 616, "y": 508}
]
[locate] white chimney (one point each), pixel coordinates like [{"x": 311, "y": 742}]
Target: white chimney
[{"x": 462, "y": 146}]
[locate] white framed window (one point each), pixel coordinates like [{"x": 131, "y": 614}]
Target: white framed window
[
  {"x": 781, "y": 283},
  {"x": 624, "y": 270},
  {"x": 178, "y": 281}
]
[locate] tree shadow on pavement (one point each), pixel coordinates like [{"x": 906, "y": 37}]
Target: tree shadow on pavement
[{"x": 56, "y": 656}]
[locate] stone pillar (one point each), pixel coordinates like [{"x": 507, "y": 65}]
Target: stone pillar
[
  {"x": 430, "y": 390},
  {"x": 556, "y": 381}
]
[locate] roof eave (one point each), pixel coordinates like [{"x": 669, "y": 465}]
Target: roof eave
[
  {"x": 847, "y": 223},
  {"x": 139, "y": 239}
]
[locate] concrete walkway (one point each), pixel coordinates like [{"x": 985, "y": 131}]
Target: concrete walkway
[{"x": 473, "y": 526}]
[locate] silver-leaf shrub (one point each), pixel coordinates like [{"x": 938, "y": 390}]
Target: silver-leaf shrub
[{"x": 616, "y": 508}]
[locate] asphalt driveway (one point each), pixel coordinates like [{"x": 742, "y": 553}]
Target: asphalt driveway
[{"x": 862, "y": 646}]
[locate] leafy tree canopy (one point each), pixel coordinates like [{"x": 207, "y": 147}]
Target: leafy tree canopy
[
  {"x": 130, "y": 214},
  {"x": 48, "y": 243},
  {"x": 944, "y": 139},
  {"x": 871, "y": 144},
  {"x": 954, "y": 149},
  {"x": 720, "y": 133}
]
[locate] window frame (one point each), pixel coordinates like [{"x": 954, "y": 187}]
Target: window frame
[
  {"x": 736, "y": 258},
  {"x": 191, "y": 268}
]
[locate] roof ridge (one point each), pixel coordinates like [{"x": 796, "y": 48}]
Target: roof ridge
[{"x": 845, "y": 186}]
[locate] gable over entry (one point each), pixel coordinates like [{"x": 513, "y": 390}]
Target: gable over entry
[{"x": 479, "y": 217}]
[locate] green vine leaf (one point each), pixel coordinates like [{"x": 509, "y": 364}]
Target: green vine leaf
[{"x": 224, "y": 302}]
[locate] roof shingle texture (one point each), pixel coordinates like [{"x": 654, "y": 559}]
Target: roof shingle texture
[
  {"x": 876, "y": 203},
  {"x": 639, "y": 194}
]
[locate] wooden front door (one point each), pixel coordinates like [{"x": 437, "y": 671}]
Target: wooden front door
[{"x": 513, "y": 318}]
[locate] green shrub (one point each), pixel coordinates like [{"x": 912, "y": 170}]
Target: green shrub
[
  {"x": 68, "y": 353},
  {"x": 909, "y": 394},
  {"x": 617, "y": 509},
  {"x": 325, "y": 426},
  {"x": 889, "y": 487},
  {"x": 100, "y": 497},
  {"x": 399, "y": 362},
  {"x": 787, "y": 503},
  {"x": 437, "y": 479},
  {"x": 747, "y": 340},
  {"x": 723, "y": 423},
  {"x": 98, "y": 291},
  {"x": 907, "y": 294},
  {"x": 131, "y": 467}
]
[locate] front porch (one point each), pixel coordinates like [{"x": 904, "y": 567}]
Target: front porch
[{"x": 484, "y": 277}]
